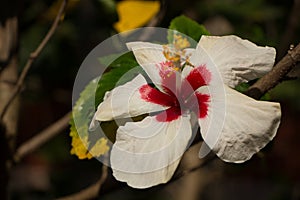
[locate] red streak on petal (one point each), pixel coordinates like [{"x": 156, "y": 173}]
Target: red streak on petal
[
  {"x": 153, "y": 95},
  {"x": 203, "y": 100},
  {"x": 198, "y": 77},
  {"x": 169, "y": 115}
]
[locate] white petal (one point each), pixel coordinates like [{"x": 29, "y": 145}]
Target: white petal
[
  {"x": 186, "y": 70},
  {"x": 238, "y": 60},
  {"x": 147, "y": 153},
  {"x": 248, "y": 126},
  {"x": 146, "y": 180},
  {"x": 125, "y": 101},
  {"x": 148, "y": 55},
  {"x": 201, "y": 57}
]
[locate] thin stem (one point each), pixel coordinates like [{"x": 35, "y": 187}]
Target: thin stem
[{"x": 278, "y": 73}]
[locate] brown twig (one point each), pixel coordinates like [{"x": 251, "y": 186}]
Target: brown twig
[
  {"x": 90, "y": 192},
  {"x": 32, "y": 58},
  {"x": 278, "y": 73},
  {"x": 42, "y": 137}
]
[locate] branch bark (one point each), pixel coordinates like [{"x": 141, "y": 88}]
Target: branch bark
[
  {"x": 278, "y": 73},
  {"x": 8, "y": 76}
]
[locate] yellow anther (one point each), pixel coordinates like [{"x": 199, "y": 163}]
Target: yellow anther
[
  {"x": 180, "y": 42},
  {"x": 171, "y": 56},
  {"x": 176, "y": 55}
]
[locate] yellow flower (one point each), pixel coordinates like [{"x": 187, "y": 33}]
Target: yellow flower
[
  {"x": 134, "y": 14},
  {"x": 99, "y": 148},
  {"x": 79, "y": 148}
]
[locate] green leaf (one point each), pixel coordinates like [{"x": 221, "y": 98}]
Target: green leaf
[
  {"x": 242, "y": 87},
  {"x": 81, "y": 114},
  {"x": 116, "y": 72},
  {"x": 188, "y": 27},
  {"x": 92, "y": 96}
]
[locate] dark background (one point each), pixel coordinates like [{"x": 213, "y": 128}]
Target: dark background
[{"x": 52, "y": 172}]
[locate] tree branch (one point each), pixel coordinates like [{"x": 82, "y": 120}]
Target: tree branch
[
  {"x": 32, "y": 58},
  {"x": 42, "y": 137},
  {"x": 278, "y": 73},
  {"x": 90, "y": 192},
  {"x": 9, "y": 74}
]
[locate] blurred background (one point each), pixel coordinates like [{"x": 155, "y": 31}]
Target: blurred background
[{"x": 52, "y": 171}]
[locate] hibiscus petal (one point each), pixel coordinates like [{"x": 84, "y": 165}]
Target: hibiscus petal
[
  {"x": 125, "y": 101},
  {"x": 153, "y": 95},
  {"x": 146, "y": 180},
  {"x": 149, "y": 56},
  {"x": 238, "y": 60},
  {"x": 197, "y": 77},
  {"x": 204, "y": 70},
  {"x": 248, "y": 125},
  {"x": 146, "y": 153}
]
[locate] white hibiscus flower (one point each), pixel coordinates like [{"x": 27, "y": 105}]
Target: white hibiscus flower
[{"x": 189, "y": 86}]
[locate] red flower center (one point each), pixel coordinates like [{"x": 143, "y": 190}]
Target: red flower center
[{"x": 180, "y": 96}]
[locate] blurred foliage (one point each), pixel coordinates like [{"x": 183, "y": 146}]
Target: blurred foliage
[
  {"x": 288, "y": 92},
  {"x": 261, "y": 21}
]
